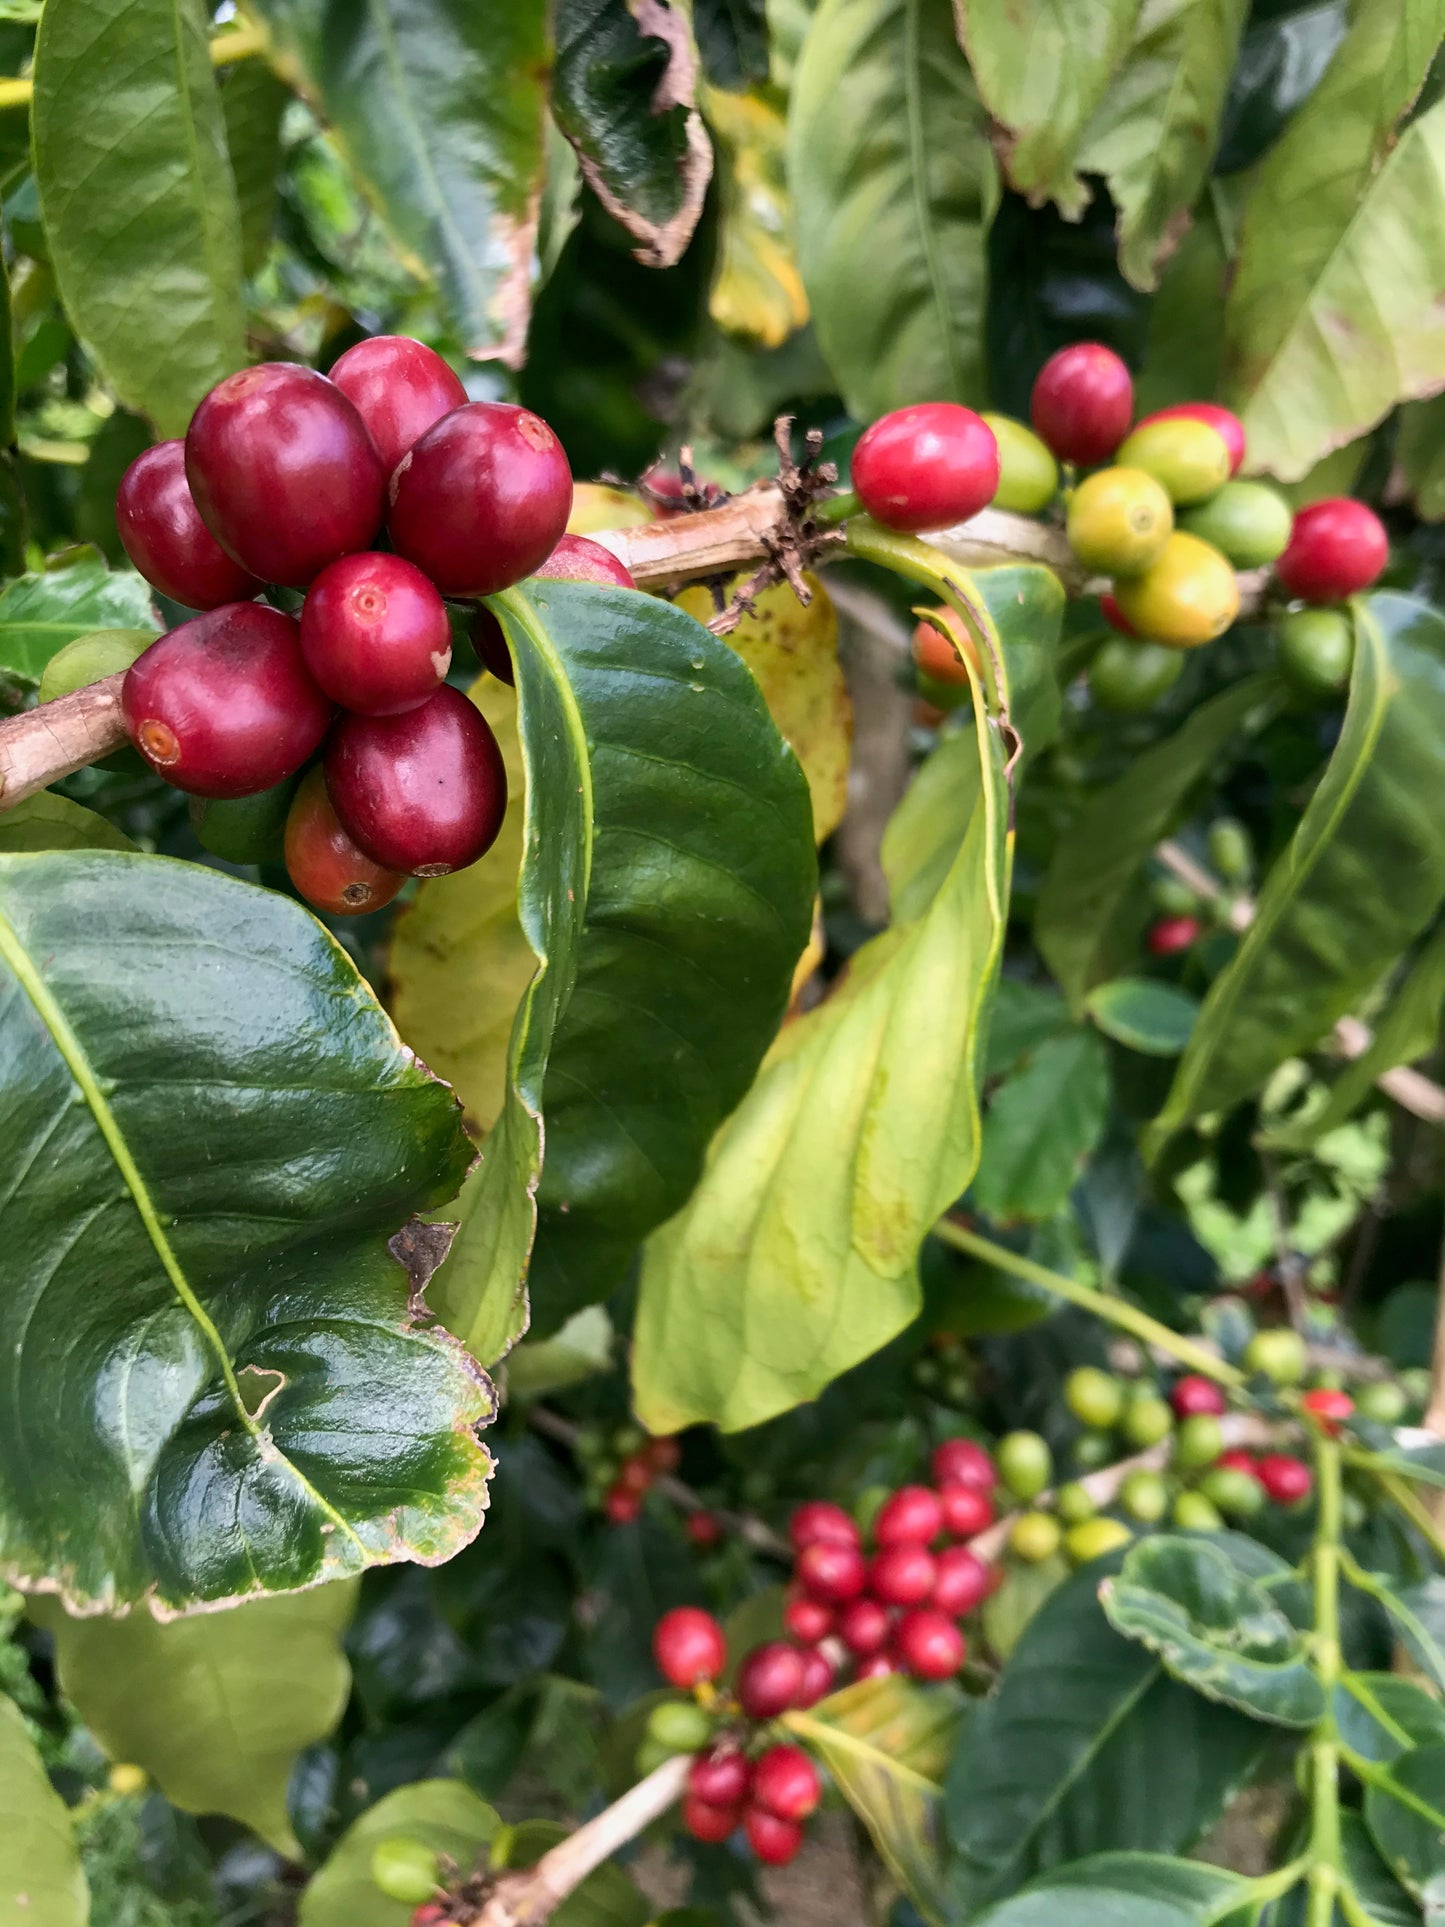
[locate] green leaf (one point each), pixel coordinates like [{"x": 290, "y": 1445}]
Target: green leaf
[
  {"x": 1102, "y": 852},
  {"x": 1148, "y": 1016},
  {"x": 40, "y": 613},
  {"x": 886, "y": 1742},
  {"x": 1420, "y": 451},
  {"x": 1381, "y": 1715},
  {"x": 138, "y": 199},
  {"x": 1120, "y": 1890},
  {"x": 7, "y": 363},
  {"x": 252, "y": 102},
  {"x": 1085, "y": 1745},
  {"x": 732, "y": 38},
  {"x": 1406, "y": 1817},
  {"x": 1418, "y": 1614},
  {"x": 1040, "y": 1127},
  {"x": 1366, "y": 840},
  {"x": 623, "y": 92},
  {"x": 215, "y": 1707},
  {"x": 1020, "y": 1597},
  {"x": 669, "y": 883},
  {"x": 1154, "y": 133},
  {"x": 41, "y": 1880},
  {"x": 214, "y": 1131},
  {"x": 1332, "y": 314},
  {"x": 1042, "y": 68},
  {"x": 797, "y": 1253},
  {"x": 1384, "y": 1900},
  {"x": 442, "y": 1814},
  {"x": 889, "y": 165},
  {"x": 583, "y": 1347},
  {"x": 1022, "y": 1017},
  {"x": 50, "y": 822},
  {"x": 1214, "y": 1629},
  {"x": 442, "y": 114}
]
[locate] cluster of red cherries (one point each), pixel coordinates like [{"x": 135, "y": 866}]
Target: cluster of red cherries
[{"x": 291, "y": 480}]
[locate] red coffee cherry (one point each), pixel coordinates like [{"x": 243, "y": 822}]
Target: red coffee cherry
[
  {"x": 709, "y": 1823},
  {"x": 966, "y": 1510},
  {"x": 431, "y": 1913},
  {"x": 817, "y": 1678},
  {"x": 1083, "y": 402},
  {"x": 1336, "y": 548},
  {"x": 774, "y": 1841},
  {"x": 283, "y": 472},
  {"x": 662, "y": 1454},
  {"x": 577, "y": 558},
  {"x": 482, "y": 499},
  {"x": 787, "y": 1783},
  {"x": 490, "y": 644},
  {"x": 876, "y": 1666},
  {"x": 424, "y": 792},
  {"x": 721, "y": 1776},
  {"x": 818, "y": 1520},
  {"x": 902, "y": 1575},
  {"x": 224, "y": 705},
  {"x": 863, "y": 1627},
  {"x": 324, "y": 863},
  {"x": 634, "y": 1473},
  {"x": 1170, "y": 935},
  {"x": 926, "y": 466},
  {"x": 963, "y": 1462},
  {"x": 161, "y": 530},
  {"x": 400, "y": 389},
  {"x": 911, "y": 1516},
  {"x": 961, "y": 1581},
  {"x": 1227, "y": 426},
  {"x": 769, "y": 1680},
  {"x": 1286, "y": 1480},
  {"x": 830, "y": 1571},
  {"x": 1194, "y": 1397},
  {"x": 375, "y": 634},
  {"x": 1238, "y": 1461},
  {"x": 621, "y": 1506},
  {"x": 1111, "y": 612},
  {"x": 808, "y": 1620},
  {"x": 688, "y": 1646},
  {"x": 1329, "y": 1407},
  {"x": 929, "y": 1645},
  {"x": 704, "y": 1529}
]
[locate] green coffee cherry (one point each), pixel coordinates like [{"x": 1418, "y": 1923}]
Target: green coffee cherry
[
  {"x": 405, "y": 1870},
  {"x": 628, "y": 1439},
  {"x": 1073, "y": 1504},
  {"x": 1354, "y": 1509},
  {"x": 1247, "y": 521},
  {"x": 1238, "y": 1494},
  {"x": 1188, "y": 458},
  {"x": 1090, "y": 1450},
  {"x": 1316, "y": 651},
  {"x": 1028, "y": 475},
  {"x": 1194, "y": 1513},
  {"x": 1127, "y": 677},
  {"x": 1036, "y": 1536},
  {"x": 1025, "y": 1464},
  {"x": 651, "y": 1755},
  {"x": 1230, "y": 851},
  {"x": 1145, "y": 1497},
  {"x": 680, "y": 1726},
  {"x": 1093, "y": 1538},
  {"x": 244, "y": 829},
  {"x": 1147, "y": 1420},
  {"x": 1198, "y": 1442},
  {"x": 1279, "y": 1354},
  {"x": 1095, "y": 1398},
  {"x": 1383, "y": 1401}
]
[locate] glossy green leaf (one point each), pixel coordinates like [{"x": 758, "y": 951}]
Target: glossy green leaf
[
  {"x": 1381, "y": 1715},
  {"x": 442, "y": 1814},
  {"x": 583, "y": 1347},
  {"x": 1042, "y": 68},
  {"x": 624, "y": 94},
  {"x": 138, "y": 199},
  {"x": 1214, "y": 1629},
  {"x": 1376, "y": 1890},
  {"x": 1154, "y": 133},
  {"x": 1367, "y": 839},
  {"x": 1147, "y": 1015},
  {"x": 252, "y": 102},
  {"x": 442, "y": 113},
  {"x": 40, "y": 613},
  {"x": 1040, "y": 1125},
  {"x": 1120, "y": 1890},
  {"x": 215, "y": 1707},
  {"x": 41, "y": 1880},
  {"x": 1086, "y": 1745},
  {"x": 1406, "y": 1817},
  {"x": 1101, "y": 854},
  {"x": 889, "y": 166},
  {"x": 668, "y": 882},
  {"x": 1332, "y": 314},
  {"x": 797, "y": 1253},
  {"x": 50, "y": 822},
  {"x": 1022, "y": 1593},
  {"x": 886, "y": 1743},
  {"x": 1418, "y": 1615},
  {"x": 211, "y": 1349}
]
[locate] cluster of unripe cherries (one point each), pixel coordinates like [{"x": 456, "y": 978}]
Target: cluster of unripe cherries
[
  {"x": 1161, "y": 513},
  {"x": 621, "y": 1467},
  {"x": 290, "y": 480}
]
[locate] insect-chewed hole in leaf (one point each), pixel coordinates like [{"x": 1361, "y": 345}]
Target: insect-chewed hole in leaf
[{"x": 258, "y": 1387}]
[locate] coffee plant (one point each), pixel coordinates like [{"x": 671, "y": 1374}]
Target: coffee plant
[{"x": 722, "y": 959}]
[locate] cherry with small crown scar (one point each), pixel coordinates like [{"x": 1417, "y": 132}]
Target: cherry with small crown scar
[
  {"x": 925, "y": 466},
  {"x": 424, "y": 792},
  {"x": 400, "y": 388},
  {"x": 225, "y": 705},
  {"x": 323, "y": 862},
  {"x": 283, "y": 472},
  {"x": 375, "y": 634},
  {"x": 161, "y": 530}
]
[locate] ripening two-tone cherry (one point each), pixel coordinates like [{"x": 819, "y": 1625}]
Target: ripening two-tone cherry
[
  {"x": 225, "y": 705},
  {"x": 926, "y": 466},
  {"x": 1082, "y": 402},
  {"x": 375, "y": 634},
  {"x": 1336, "y": 548},
  {"x": 325, "y": 864},
  {"x": 688, "y": 1646},
  {"x": 283, "y": 472},
  {"x": 482, "y": 499},
  {"x": 424, "y": 792},
  {"x": 1223, "y": 421},
  {"x": 161, "y": 530},
  {"x": 400, "y": 388}
]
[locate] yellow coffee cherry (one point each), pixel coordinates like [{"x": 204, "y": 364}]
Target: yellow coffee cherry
[
  {"x": 1188, "y": 458},
  {"x": 1119, "y": 521},
  {"x": 1188, "y": 597}
]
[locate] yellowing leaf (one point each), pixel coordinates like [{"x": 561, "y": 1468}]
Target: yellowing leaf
[
  {"x": 758, "y": 291},
  {"x": 41, "y": 1881},
  {"x": 793, "y": 653}
]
